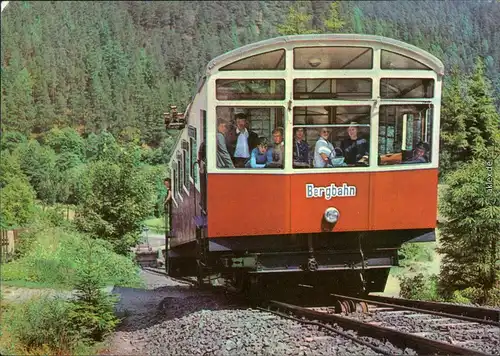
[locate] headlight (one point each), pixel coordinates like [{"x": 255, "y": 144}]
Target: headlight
[{"x": 331, "y": 215}]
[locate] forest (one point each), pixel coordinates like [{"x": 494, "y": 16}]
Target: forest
[
  {"x": 84, "y": 147},
  {"x": 117, "y": 66}
]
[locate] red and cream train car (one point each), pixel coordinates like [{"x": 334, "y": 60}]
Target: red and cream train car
[{"x": 337, "y": 219}]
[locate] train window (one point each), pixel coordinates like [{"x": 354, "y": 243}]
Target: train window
[
  {"x": 331, "y": 136},
  {"x": 333, "y": 58},
  {"x": 391, "y": 60},
  {"x": 274, "y": 60},
  {"x": 178, "y": 179},
  {"x": 396, "y": 88},
  {"x": 250, "y": 89},
  {"x": 185, "y": 160},
  {"x": 194, "y": 167},
  {"x": 174, "y": 181},
  {"x": 180, "y": 175},
  {"x": 351, "y": 88},
  {"x": 250, "y": 137},
  {"x": 405, "y": 134}
]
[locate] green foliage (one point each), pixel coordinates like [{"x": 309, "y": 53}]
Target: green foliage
[
  {"x": 469, "y": 241},
  {"x": 419, "y": 287},
  {"x": 416, "y": 252},
  {"x": 10, "y": 140},
  {"x": 298, "y": 22},
  {"x": 41, "y": 322},
  {"x": 334, "y": 23},
  {"x": 473, "y": 295},
  {"x": 482, "y": 118},
  {"x": 120, "y": 195},
  {"x": 53, "y": 256},
  {"x": 16, "y": 195},
  {"x": 453, "y": 129},
  {"x": 92, "y": 313},
  {"x": 65, "y": 141},
  {"x": 102, "y": 147},
  {"x": 122, "y": 64},
  {"x": 39, "y": 164},
  {"x": 357, "y": 21}
]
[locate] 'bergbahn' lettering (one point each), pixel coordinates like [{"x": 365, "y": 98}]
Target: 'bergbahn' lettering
[{"x": 330, "y": 192}]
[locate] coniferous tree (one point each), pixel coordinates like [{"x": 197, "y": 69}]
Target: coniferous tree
[
  {"x": 453, "y": 130},
  {"x": 298, "y": 22},
  {"x": 471, "y": 204}
]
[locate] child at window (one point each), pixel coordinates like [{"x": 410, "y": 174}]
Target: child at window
[{"x": 260, "y": 155}]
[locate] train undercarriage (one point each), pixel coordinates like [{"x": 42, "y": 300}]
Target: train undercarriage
[{"x": 355, "y": 263}]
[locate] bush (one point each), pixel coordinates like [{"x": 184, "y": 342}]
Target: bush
[
  {"x": 40, "y": 323},
  {"x": 474, "y": 295},
  {"x": 419, "y": 287},
  {"x": 92, "y": 314}
]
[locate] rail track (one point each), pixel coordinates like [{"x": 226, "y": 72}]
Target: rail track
[
  {"x": 421, "y": 342},
  {"x": 463, "y": 310}
]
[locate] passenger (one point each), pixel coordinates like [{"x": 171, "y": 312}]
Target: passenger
[
  {"x": 354, "y": 148},
  {"x": 223, "y": 157},
  {"x": 420, "y": 153},
  {"x": 278, "y": 149},
  {"x": 323, "y": 150},
  {"x": 260, "y": 155},
  {"x": 241, "y": 141},
  {"x": 202, "y": 159},
  {"x": 300, "y": 149},
  {"x": 167, "y": 205}
]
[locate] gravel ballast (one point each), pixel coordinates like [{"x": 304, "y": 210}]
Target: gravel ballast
[{"x": 172, "y": 318}]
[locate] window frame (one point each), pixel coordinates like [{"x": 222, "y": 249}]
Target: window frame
[
  {"x": 250, "y": 106},
  {"x": 283, "y": 57},
  {"x": 281, "y": 98},
  {"x": 345, "y": 125},
  {"x": 371, "y": 67},
  {"x": 428, "y": 111}
]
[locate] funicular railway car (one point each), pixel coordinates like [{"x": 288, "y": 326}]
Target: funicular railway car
[{"x": 307, "y": 159}]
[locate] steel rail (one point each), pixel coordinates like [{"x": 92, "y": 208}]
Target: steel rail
[
  {"x": 419, "y": 310},
  {"x": 350, "y": 337},
  {"x": 470, "y": 311},
  {"x": 396, "y": 337}
]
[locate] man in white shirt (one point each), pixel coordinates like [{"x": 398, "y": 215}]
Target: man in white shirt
[
  {"x": 323, "y": 151},
  {"x": 240, "y": 141}
]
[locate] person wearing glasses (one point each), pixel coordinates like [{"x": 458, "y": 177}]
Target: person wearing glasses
[{"x": 323, "y": 150}]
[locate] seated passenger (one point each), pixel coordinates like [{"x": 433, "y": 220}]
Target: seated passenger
[
  {"x": 354, "y": 147},
  {"x": 300, "y": 149},
  {"x": 278, "y": 149},
  {"x": 323, "y": 150},
  {"x": 260, "y": 155},
  {"x": 420, "y": 153}
]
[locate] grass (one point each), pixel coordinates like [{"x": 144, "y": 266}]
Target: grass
[
  {"x": 34, "y": 285},
  {"x": 155, "y": 225},
  {"x": 55, "y": 256},
  {"x": 423, "y": 258}
]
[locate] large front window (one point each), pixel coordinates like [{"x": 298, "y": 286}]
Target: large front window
[
  {"x": 250, "y": 137},
  {"x": 331, "y": 136}
]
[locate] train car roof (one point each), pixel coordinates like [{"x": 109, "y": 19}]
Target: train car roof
[{"x": 327, "y": 39}]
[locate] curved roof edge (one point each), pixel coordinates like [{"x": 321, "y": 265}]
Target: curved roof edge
[{"x": 433, "y": 62}]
